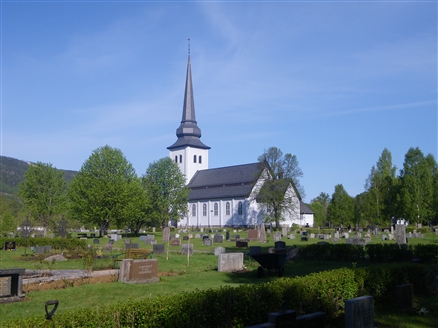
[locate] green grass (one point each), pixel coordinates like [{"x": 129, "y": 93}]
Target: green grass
[{"x": 201, "y": 273}]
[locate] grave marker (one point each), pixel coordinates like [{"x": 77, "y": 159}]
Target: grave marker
[
  {"x": 207, "y": 242},
  {"x": 187, "y": 248},
  {"x": 138, "y": 271},
  {"x": 158, "y": 248},
  {"x": 359, "y": 312},
  {"x": 219, "y": 250},
  {"x": 230, "y": 262}
]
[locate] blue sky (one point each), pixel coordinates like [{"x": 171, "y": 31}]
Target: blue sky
[{"x": 331, "y": 82}]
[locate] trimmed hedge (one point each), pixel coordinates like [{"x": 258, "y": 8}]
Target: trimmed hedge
[
  {"x": 379, "y": 253},
  {"x": 56, "y": 243},
  {"x": 247, "y": 304}
]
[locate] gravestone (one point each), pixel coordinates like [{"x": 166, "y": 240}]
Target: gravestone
[
  {"x": 158, "y": 248},
  {"x": 153, "y": 229},
  {"x": 335, "y": 240},
  {"x": 359, "y": 312},
  {"x": 391, "y": 237},
  {"x": 11, "y": 283},
  {"x": 9, "y": 246},
  {"x": 96, "y": 241},
  {"x": 43, "y": 249},
  {"x": 253, "y": 234},
  {"x": 262, "y": 233},
  {"x": 138, "y": 271},
  {"x": 197, "y": 236},
  {"x": 128, "y": 246},
  {"x": 219, "y": 250},
  {"x": 404, "y": 296},
  {"x": 336, "y": 234},
  {"x": 230, "y": 262},
  {"x": 166, "y": 234},
  {"x": 285, "y": 318},
  {"x": 207, "y": 242},
  {"x": 108, "y": 248},
  {"x": 172, "y": 236},
  {"x": 241, "y": 244},
  {"x": 284, "y": 231},
  {"x": 312, "y": 235},
  {"x": 255, "y": 250},
  {"x": 177, "y": 235},
  {"x": 218, "y": 238},
  {"x": 291, "y": 236},
  {"x": 186, "y": 238},
  {"x": 176, "y": 242},
  {"x": 277, "y": 236},
  {"x": 280, "y": 245},
  {"x": 383, "y": 237},
  {"x": 227, "y": 235},
  {"x": 150, "y": 237},
  {"x": 187, "y": 248},
  {"x": 111, "y": 241},
  {"x": 400, "y": 234}
]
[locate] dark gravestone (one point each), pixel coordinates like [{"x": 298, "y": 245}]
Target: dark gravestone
[
  {"x": 92, "y": 235},
  {"x": 9, "y": 246},
  {"x": 111, "y": 241},
  {"x": 186, "y": 238},
  {"x": 138, "y": 271},
  {"x": 186, "y": 247},
  {"x": 359, "y": 312},
  {"x": 311, "y": 320},
  {"x": 400, "y": 234},
  {"x": 280, "y": 245},
  {"x": 218, "y": 238},
  {"x": 227, "y": 235},
  {"x": 207, "y": 242},
  {"x": 158, "y": 248},
  {"x": 404, "y": 296},
  {"x": 96, "y": 241},
  {"x": 241, "y": 244},
  {"x": 204, "y": 236},
  {"x": 283, "y": 318},
  {"x": 255, "y": 250}
]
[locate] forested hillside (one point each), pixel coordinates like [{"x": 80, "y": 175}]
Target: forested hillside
[{"x": 12, "y": 173}]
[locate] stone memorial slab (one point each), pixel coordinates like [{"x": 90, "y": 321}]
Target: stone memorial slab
[
  {"x": 158, "y": 248},
  {"x": 11, "y": 283},
  {"x": 108, "y": 248},
  {"x": 43, "y": 249},
  {"x": 404, "y": 296},
  {"x": 262, "y": 233},
  {"x": 96, "y": 241},
  {"x": 359, "y": 312},
  {"x": 230, "y": 262},
  {"x": 177, "y": 235},
  {"x": 285, "y": 318},
  {"x": 312, "y": 236},
  {"x": 111, "y": 241},
  {"x": 280, "y": 245},
  {"x": 138, "y": 271},
  {"x": 284, "y": 231},
  {"x": 291, "y": 236},
  {"x": 227, "y": 235},
  {"x": 255, "y": 250},
  {"x": 172, "y": 236},
  {"x": 176, "y": 242},
  {"x": 335, "y": 240},
  {"x": 128, "y": 246},
  {"x": 277, "y": 236},
  {"x": 383, "y": 237},
  {"x": 197, "y": 236},
  {"x": 207, "y": 242},
  {"x": 186, "y": 238},
  {"x": 166, "y": 234},
  {"x": 400, "y": 234},
  {"x": 187, "y": 248},
  {"x": 219, "y": 250},
  {"x": 150, "y": 237},
  {"x": 241, "y": 244},
  {"x": 218, "y": 238},
  {"x": 390, "y": 237},
  {"x": 253, "y": 234}
]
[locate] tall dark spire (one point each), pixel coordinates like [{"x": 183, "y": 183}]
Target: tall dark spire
[{"x": 188, "y": 132}]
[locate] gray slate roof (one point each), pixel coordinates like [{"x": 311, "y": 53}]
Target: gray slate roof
[
  {"x": 224, "y": 182},
  {"x": 304, "y": 209}
]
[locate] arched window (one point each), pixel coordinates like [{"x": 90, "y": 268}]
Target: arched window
[
  {"x": 216, "y": 209},
  {"x": 227, "y": 208},
  {"x": 193, "y": 210},
  {"x": 176, "y": 159},
  {"x": 180, "y": 158},
  {"x": 204, "y": 209},
  {"x": 240, "y": 208},
  {"x": 200, "y": 159}
]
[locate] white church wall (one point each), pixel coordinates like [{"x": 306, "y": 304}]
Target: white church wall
[{"x": 186, "y": 161}]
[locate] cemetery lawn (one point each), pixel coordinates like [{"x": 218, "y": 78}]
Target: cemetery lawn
[{"x": 177, "y": 276}]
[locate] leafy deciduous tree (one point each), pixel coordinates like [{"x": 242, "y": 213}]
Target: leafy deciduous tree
[{"x": 341, "y": 207}]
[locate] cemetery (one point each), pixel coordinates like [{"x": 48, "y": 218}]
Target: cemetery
[{"x": 322, "y": 281}]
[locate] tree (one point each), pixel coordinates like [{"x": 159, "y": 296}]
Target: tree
[
  {"x": 319, "y": 206},
  {"x": 139, "y": 209},
  {"x": 43, "y": 192},
  {"x": 417, "y": 186},
  {"x": 341, "y": 207},
  {"x": 380, "y": 187},
  {"x": 281, "y": 191},
  {"x": 164, "y": 185},
  {"x": 102, "y": 191}
]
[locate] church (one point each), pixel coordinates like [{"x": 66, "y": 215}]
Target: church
[{"x": 224, "y": 196}]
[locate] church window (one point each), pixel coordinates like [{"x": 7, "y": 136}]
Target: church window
[
  {"x": 200, "y": 159},
  {"x": 194, "y": 158},
  {"x": 176, "y": 159},
  {"x": 227, "y": 208},
  {"x": 240, "y": 208},
  {"x": 193, "y": 210},
  {"x": 180, "y": 158},
  {"x": 216, "y": 209},
  {"x": 204, "y": 209}
]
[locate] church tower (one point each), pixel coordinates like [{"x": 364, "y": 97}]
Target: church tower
[{"x": 188, "y": 151}]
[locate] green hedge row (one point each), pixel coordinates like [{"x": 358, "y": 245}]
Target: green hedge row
[
  {"x": 247, "y": 304},
  {"x": 380, "y": 253},
  {"x": 56, "y": 243}
]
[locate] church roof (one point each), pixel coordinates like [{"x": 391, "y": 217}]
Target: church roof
[
  {"x": 224, "y": 182},
  {"x": 304, "y": 209},
  {"x": 188, "y": 132}
]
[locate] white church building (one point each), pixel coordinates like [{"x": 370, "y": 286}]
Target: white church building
[{"x": 224, "y": 196}]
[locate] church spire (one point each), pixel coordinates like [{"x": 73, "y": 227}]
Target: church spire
[{"x": 188, "y": 132}]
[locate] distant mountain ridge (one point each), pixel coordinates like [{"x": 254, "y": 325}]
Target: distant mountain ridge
[{"x": 12, "y": 173}]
